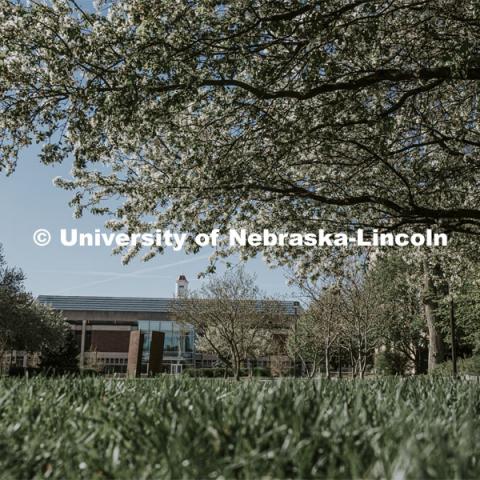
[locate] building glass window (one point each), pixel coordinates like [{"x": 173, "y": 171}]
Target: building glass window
[
  {"x": 172, "y": 342},
  {"x": 155, "y": 326},
  {"x": 147, "y": 341},
  {"x": 144, "y": 325},
  {"x": 189, "y": 339},
  {"x": 178, "y": 341}
]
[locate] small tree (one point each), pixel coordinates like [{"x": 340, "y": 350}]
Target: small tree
[
  {"x": 317, "y": 331},
  {"x": 231, "y": 318},
  {"x": 61, "y": 358},
  {"x": 402, "y": 326},
  {"x": 11, "y": 292},
  {"x": 304, "y": 342},
  {"x": 24, "y": 323},
  {"x": 359, "y": 305}
]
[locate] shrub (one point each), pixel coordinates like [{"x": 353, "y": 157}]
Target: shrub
[
  {"x": 61, "y": 358},
  {"x": 60, "y": 371},
  {"x": 469, "y": 366},
  {"x": 205, "y": 372},
  {"x": 220, "y": 372},
  {"x": 22, "y": 371},
  {"x": 390, "y": 363},
  {"x": 88, "y": 372},
  {"x": 261, "y": 372}
]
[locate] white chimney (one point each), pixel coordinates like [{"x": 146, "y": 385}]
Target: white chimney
[{"x": 181, "y": 286}]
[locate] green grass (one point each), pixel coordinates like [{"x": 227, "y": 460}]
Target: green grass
[{"x": 198, "y": 428}]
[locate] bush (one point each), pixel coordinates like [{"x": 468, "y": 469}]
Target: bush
[
  {"x": 220, "y": 372},
  {"x": 390, "y": 363},
  {"x": 61, "y": 358},
  {"x": 59, "y": 371},
  {"x": 470, "y": 366},
  {"x": 88, "y": 372},
  {"x": 22, "y": 371},
  {"x": 205, "y": 372},
  {"x": 49, "y": 372},
  {"x": 261, "y": 372}
]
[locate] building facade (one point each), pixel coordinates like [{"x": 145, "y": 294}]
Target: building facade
[{"x": 102, "y": 326}]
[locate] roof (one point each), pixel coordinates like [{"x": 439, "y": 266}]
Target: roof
[
  {"x": 122, "y": 304},
  {"x": 107, "y": 304}
]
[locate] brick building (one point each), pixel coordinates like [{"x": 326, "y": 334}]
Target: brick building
[{"x": 103, "y": 325}]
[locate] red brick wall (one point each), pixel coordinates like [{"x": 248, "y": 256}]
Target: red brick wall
[{"x": 110, "y": 341}]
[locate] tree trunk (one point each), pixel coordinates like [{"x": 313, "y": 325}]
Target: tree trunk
[
  {"x": 352, "y": 361},
  {"x": 417, "y": 368},
  {"x": 359, "y": 360},
  {"x": 327, "y": 362},
  {"x": 363, "y": 366},
  {"x": 237, "y": 369},
  {"x": 305, "y": 369},
  {"x": 361, "y": 370},
  {"x": 435, "y": 342},
  {"x": 313, "y": 370}
]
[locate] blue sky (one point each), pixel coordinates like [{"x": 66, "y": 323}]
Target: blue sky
[{"x": 29, "y": 200}]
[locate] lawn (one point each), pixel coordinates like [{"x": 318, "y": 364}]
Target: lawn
[{"x": 198, "y": 428}]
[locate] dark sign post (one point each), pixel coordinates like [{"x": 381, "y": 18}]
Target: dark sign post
[
  {"x": 156, "y": 353},
  {"x": 135, "y": 351}
]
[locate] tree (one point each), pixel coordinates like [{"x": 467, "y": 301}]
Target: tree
[
  {"x": 304, "y": 342},
  {"x": 319, "y": 327},
  {"x": 231, "y": 318},
  {"x": 317, "y": 331},
  {"x": 280, "y": 114},
  {"x": 466, "y": 304},
  {"x": 11, "y": 288},
  {"x": 438, "y": 275},
  {"x": 343, "y": 316},
  {"x": 359, "y": 306},
  {"x": 61, "y": 358},
  {"x": 283, "y": 115},
  {"x": 24, "y": 323},
  {"x": 402, "y": 327},
  {"x": 431, "y": 293}
]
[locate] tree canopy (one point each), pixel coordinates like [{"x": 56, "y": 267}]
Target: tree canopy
[
  {"x": 293, "y": 114},
  {"x": 232, "y": 318},
  {"x": 24, "y": 323}
]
